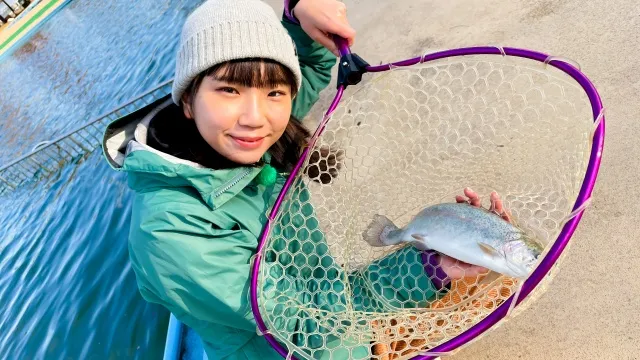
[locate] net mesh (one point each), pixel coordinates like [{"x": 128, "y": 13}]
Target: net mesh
[{"x": 406, "y": 139}]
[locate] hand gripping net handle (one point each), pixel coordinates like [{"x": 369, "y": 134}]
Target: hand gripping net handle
[{"x": 555, "y": 250}]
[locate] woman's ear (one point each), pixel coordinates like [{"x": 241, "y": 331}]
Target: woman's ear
[{"x": 186, "y": 106}]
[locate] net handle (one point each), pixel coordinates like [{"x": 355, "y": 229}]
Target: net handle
[
  {"x": 342, "y": 44},
  {"x": 351, "y": 66},
  {"x": 558, "y": 246}
]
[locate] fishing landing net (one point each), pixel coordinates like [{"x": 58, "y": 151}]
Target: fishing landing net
[{"x": 416, "y": 133}]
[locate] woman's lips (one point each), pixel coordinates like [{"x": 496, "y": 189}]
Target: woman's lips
[{"x": 249, "y": 143}]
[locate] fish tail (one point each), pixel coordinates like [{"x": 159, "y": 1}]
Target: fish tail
[{"x": 376, "y": 234}]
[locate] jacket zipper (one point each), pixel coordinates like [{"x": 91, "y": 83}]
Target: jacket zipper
[{"x": 232, "y": 183}]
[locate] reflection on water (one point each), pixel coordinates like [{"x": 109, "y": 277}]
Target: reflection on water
[
  {"x": 91, "y": 56},
  {"x": 66, "y": 287}
]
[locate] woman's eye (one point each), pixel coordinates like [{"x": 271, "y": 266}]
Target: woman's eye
[
  {"x": 277, "y": 93},
  {"x": 228, "y": 90}
]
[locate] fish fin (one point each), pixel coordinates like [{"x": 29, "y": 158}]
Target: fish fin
[
  {"x": 376, "y": 233},
  {"x": 419, "y": 237},
  {"x": 421, "y": 242},
  {"x": 488, "y": 249}
]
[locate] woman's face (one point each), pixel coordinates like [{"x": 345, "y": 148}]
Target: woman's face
[{"x": 239, "y": 122}]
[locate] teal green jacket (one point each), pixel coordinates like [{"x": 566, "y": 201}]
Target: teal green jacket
[{"x": 194, "y": 231}]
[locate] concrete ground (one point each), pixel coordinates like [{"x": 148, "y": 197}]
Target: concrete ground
[{"x": 591, "y": 308}]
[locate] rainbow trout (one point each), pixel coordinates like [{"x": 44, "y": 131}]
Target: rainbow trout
[{"x": 467, "y": 233}]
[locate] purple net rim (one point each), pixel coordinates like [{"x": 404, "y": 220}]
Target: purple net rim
[{"x": 556, "y": 249}]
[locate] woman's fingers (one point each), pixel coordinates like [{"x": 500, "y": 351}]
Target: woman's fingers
[
  {"x": 323, "y": 39},
  {"x": 506, "y": 215},
  {"x": 470, "y": 197},
  {"x": 498, "y": 207},
  {"x": 456, "y": 269},
  {"x": 337, "y": 23},
  {"x": 324, "y": 35},
  {"x": 340, "y": 26},
  {"x": 474, "y": 199},
  {"x": 474, "y": 270},
  {"x": 321, "y": 19}
]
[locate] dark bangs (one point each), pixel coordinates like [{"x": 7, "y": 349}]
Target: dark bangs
[
  {"x": 252, "y": 72},
  {"x": 258, "y": 73}
]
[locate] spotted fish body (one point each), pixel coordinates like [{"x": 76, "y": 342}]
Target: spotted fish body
[{"x": 470, "y": 234}]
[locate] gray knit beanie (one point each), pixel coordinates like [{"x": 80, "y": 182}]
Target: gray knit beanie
[{"x": 223, "y": 30}]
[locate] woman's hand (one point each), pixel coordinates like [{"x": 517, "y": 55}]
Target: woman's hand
[
  {"x": 322, "y": 18},
  {"x": 496, "y": 203},
  {"x": 456, "y": 269}
]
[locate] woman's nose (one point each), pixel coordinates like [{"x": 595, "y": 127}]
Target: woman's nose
[{"x": 253, "y": 111}]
